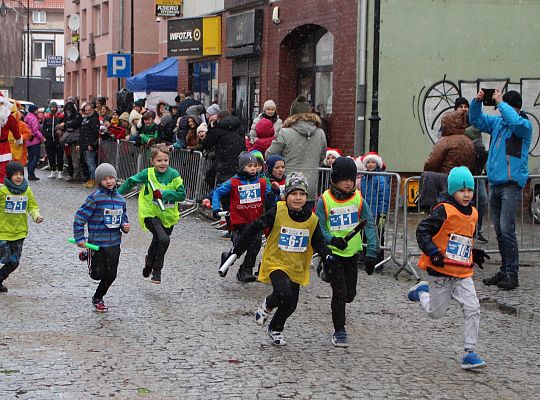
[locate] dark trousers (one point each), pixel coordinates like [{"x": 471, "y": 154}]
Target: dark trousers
[
  {"x": 253, "y": 249},
  {"x": 105, "y": 264},
  {"x": 160, "y": 242},
  {"x": 343, "y": 281},
  {"x": 10, "y": 256},
  {"x": 284, "y": 297},
  {"x": 33, "y": 158},
  {"x": 55, "y": 153}
]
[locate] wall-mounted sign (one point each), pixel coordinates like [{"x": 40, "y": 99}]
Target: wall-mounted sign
[
  {"x": 168, "y": 8},
  {"x": 118, "y": 65},
  {"x": 244, "y": 29},
  {"x": 55, "y": 61},
  {"x": 231, "y": 4},
  {"x": 194, "y": 37},
  {"x": 75, "y": 38}
]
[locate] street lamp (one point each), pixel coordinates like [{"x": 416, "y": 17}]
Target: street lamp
[{"x": 3, "y": 12}]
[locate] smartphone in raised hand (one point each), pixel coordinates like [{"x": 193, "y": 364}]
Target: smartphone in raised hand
[{"x": 488, "y": 97}]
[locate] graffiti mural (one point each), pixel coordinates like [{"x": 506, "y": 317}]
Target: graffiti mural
[{"x": 433, "y": 101}]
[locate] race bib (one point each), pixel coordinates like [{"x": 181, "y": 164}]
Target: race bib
[
  {"x": 293, "y": 240},
  {"x": 459, "y": 249},
  {"x": 16, "y": 204},
  {"x": 250, "y": 193},
  {"x": 342, "y": 218},
  {"x": 112, "y": 218}
]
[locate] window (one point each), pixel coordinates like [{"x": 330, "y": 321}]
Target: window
[
  {"x": 83, "y": 24},
  {"x": 204, "y": 82},
  {"x": 96, "y": 20},
  {"x": 42, "y": 49},
  {"x": 39, "y": 17},
  {"x": 105, "y": 18}
]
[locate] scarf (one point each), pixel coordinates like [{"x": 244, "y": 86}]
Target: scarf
[
  {"x": 339, "y": 195},
  {"x": 16, "y": 189}
]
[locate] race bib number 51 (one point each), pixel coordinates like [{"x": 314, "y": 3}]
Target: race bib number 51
[
  {"x": 16, "y": 204},
  {"x": 293, "y": 240}
]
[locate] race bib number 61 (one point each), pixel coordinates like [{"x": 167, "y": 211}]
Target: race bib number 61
[{"x": 293, "y": 240}]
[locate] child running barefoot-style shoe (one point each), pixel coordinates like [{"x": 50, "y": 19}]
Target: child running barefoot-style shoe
[
  {"x": 414, "y": 293},
  {"x": 99, "y": 305},
  {"x": 339, "y": 339},
  {"x": 156, "y": 277},
  {"x": 277, "y": 338},
  {"x": 262, "y": 314},
  {"x": 471, "y": 360}
]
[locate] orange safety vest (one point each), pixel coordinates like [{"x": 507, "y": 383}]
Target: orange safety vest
[{"x": 455, "y": 241}]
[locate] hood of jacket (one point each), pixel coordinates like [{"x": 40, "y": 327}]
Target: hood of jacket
[
  {"x": 230, "y": 123},
  {"x": 305, "y": 124},
  {"x": 453, "y": 123}
]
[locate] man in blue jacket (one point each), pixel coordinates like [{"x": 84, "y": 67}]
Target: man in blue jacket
[{"x": 507, "y": 172}]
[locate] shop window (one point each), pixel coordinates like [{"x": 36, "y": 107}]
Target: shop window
[
  {"x": 42, "y": 49},
  {"x": 204, "y": 81},
  {"x": 324, "y": 60}
]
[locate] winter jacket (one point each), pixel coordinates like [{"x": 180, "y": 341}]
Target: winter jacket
[
  {"x": 432, "y": 184},
  {"x": 375, "y": 190},
  {"x": 49, "y": 126},
  {"x": 227, "y": 138},
  {"x": 14, "y": 226},
  {"x": 32, "y": 121},
  {"x": 147, "y": 133},
  {"x": 453, "y": 150},
  {"x": 89, "y": 131},
  {"x": 72, "y": 127},
  {"x": 511, "y": 135},
  {"x": 278, "y": 125},
  {"x": 188, "y": 102},
  {"x": 303, "y": 146}
]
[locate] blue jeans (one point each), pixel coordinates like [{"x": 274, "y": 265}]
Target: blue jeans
[
  {"x": 504, "y": 201},
  {"x": 91, "y": 159},
  {"x": 34, "y": 152}
]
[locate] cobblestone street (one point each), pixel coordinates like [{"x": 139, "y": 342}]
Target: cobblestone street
[{"x": 194, "y": 336}]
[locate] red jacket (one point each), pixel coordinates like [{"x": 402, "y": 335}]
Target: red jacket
[{"x": 13, "y": 126}]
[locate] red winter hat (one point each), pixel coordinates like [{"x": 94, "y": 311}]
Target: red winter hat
[
  {"x": 264, "y": 128},
  {"x": 373, "y": 156},
  {"x": 330, "y": 151}
]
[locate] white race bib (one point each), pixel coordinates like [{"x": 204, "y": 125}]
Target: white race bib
[
  {"x": 459, "y": 249},
  {"x": 342, "y": 218},
  {"x": 16, "y": 204},
  {"x": 249, "y": 193},
  {"x": 112, "y": 218},
  {"x": 293, "y": 240}
]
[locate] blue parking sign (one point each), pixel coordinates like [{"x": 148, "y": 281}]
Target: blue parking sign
[{"x": 118, "y": 65}]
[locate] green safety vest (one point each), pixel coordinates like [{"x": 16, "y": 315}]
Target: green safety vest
[
  {"x": 341, "y": 218},
  {"x": 149, "y": 208}
]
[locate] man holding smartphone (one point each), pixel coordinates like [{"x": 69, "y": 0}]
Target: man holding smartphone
[{"x": 507, "y": 172}]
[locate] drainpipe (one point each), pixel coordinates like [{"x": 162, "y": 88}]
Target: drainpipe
[
  {"x": 361, "y": 50},
  {"x": 374, "y": 117},
  {"x": 121, "y": 37}
]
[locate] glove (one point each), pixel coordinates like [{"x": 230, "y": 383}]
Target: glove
[
  {"x": 437, "y": 259},
  {"x": 479, "y": 257},
  {"x": 157, "y": 194},
  {"x": 369, "y": 263},
  {"x": 339, "y": 242},
  {"x": 382, "y": 220},
  {"x": 324, "y": 270},
  {"x": 215, "y": 213}
]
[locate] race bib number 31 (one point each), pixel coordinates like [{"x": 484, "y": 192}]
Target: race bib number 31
[
  {"x": 459, "y": 249},
  {"x": 112, "y": 218},
  {"x": 250, "y": 193},
  {"x": 293, "y": 240},
  {"x": 342, "y": 218},
  {"x": 16, "y": 204}
]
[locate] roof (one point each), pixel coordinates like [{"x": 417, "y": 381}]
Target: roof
[{"x": 36, "y": 4}]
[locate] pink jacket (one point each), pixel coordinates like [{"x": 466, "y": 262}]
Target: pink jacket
[{"x": 33, "y": 123}]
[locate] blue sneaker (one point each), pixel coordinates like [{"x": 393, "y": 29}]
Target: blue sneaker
[
  {"x": 414, "y": 293},
  {"x": 471, "y": 360},
  {"x": 339, "y": 339}
]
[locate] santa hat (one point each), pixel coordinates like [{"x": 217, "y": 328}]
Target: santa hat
[
  {"x": 372, "y": 156},
  {"x": 330, "y": 151}
]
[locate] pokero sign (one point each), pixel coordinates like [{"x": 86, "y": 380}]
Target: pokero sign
[
  {"x": 192, "y": 37},
  {"x": 168, "y": 8}
]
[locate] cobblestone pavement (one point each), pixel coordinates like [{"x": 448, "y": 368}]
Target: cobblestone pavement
[{"x": 194, "y": 337}]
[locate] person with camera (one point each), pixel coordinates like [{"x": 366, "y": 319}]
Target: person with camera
[{"x": 507, "y": 171}]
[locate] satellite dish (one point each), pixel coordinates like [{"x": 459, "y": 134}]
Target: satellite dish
[
  {"x": 74, "y": 22},
  {"x": 73, "y": 54}
]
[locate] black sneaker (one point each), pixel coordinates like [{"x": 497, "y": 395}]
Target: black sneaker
[
  {"x": 481, "y": 239},
  {"x": 3, "y": 289},
  {"x": 245, "y": 276},
  {"x": 147, "y": 270},
  {"x": 33, "y": 178},
  {"x": 156, "y": 277},
  {"x": 499, "y": 276},
  {"x": 509, "y": 282}
]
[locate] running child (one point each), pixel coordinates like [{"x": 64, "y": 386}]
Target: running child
[
  {"x": 104, "y": 211},
  {"x": 294, "y": 233},
  {"x": 16, "y": 201},
  {"x": 339, "y": 210},
  {"x": 160, "y": 183},
  {"x": 446, "y": 238},
  {"x": 247, "y": 193}
]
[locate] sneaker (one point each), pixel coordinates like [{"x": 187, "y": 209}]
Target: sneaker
[
  {"x": 3, "y": 289},
  {"x": 156, "y": 277},
  {"x": 481, "y": 239},
  {"x": 52, "y": 175},
  {"x": 277, "y": 337},
  {"x": 59, "y": 175},
  {"x": 509, "y": 282},
  {"x": 339, "y": 339},
  {"x": 33, "y": 178},
  {"x": 262, "y": 314},
  {"x": 99, "y": 305},
  {"x": 147, "y": 270},
  {"x": 414, "y": 293},
  {"x": 471, "y": 360},
  {"x": 245, "y": 276},
  {"x": 499, "y": 276}
]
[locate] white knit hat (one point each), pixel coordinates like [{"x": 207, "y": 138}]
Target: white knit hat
[
  {"x": 202, "y": 127},
  {"x": 269, "y": 103}
]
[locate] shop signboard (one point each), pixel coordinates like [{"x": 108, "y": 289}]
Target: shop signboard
[
  {"x": 192, "y": 37},
  {"x": 168, "y": 8}
]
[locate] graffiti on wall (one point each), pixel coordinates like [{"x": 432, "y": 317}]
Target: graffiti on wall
[{"x": 433, "y": 101}]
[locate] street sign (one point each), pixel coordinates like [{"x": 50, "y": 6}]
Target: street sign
[
  {"x": 55, "y": 61},
  {"x": 118, "y": 65},
  {"x": 168, "y": 8}
]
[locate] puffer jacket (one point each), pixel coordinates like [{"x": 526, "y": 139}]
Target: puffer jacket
[
  {"x": 511, "y": 135},
  {"x": 33, "y": 123},
  {"x": 302, "y": 144},
  {"x": 375, "y": 190}
]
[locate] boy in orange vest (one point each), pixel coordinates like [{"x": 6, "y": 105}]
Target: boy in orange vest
[{"x": 446, "y": 240}]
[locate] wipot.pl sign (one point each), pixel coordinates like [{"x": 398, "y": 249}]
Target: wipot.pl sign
[
  {"x": 168, "y": 8},
  {"x": 194, "y": 37}
]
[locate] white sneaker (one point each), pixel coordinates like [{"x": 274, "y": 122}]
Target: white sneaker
[
  {"x": 262, "y": 314},
  {"x": 52, "y": 175},
  {"x": 59, "y": 176},
  {"x": 277, "y": 338}
]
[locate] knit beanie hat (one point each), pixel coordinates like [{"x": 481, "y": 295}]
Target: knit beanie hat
[
  {"x": 264, "y": 128},
  {"x": 244, "y": 159},
  {"x": 372, "y": 156},
  {"x": 513, "y": 99},
  {"x": 258, "y": 155},
  {"x": 202, "y": 127},
  {"x": 342, "y": 169},
  {"x": 333, "y": 152},
  {"x": 271, "y": 162},
  {"x": 12, "y": 167},
  {"x": 460, "y": 101},
  {"x": 124, "y": 117},
  {"x": 213, "y": 109},
  {"x": 295, "y": 181},
  {"x": 195, "y": 109},
  {"x": 460, "y": 178},
  {"x": 32, "y": 108},
  {"x": 269, "y": 103},
  {"x": 104, "y": 170}
]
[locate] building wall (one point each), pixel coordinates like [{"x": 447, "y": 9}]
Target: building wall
[{"x": 11, "y": 42}]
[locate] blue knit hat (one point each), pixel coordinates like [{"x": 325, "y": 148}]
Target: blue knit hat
[{"x": 460, "y": 178}]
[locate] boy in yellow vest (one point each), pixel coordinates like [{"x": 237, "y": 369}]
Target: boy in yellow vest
[
  {"x": 294, "y": 233},
  {"x": 446, "y": 240},
  {"x": 340, "y": 209}
]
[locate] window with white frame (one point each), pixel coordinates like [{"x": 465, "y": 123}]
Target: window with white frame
[
  {"x": 39, "y": 17},
  {"x": 42, "y": 49}
]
